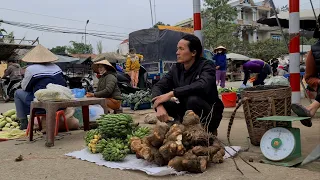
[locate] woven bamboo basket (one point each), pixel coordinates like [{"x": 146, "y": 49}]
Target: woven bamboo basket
[{"x": 262, "y": 101}]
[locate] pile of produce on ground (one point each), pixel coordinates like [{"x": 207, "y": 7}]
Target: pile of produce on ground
[
  {"x": 112, "y": 136},
  {"x": 137, "y": 99},
  {"x": 12, "y": 134},
  {"x": 231, "y": 89},
  {"x": 8, "y": 120},
  {"x": 125, "y": 100},
  {"x": 184, "y": 147}
]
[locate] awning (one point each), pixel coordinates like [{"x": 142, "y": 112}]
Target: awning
[
  {"x": 111, "y": 57},
  {"x": 66, "y": 59},
  {"x": 307, "y": 19},
  {"x": 238, "y": 57}
]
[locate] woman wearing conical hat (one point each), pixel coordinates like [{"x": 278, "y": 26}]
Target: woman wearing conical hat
[
  {"x": 37, "y": 76},
  {"x": 221, "y": 65},
  {"x": 107, "y": 85}
]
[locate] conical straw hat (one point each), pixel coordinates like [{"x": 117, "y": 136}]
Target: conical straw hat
[
  {"x": 104, "y": 62},
  {"x": 39, "y": 54},
  {"x": 219, "y": 47}
]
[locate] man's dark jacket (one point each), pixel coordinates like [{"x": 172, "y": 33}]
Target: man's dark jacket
[{"x": 198, "y": 81}]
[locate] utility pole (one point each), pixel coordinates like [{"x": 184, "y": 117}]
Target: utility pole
[
  {"x": 85, "y": 33},
  {"x": 294, "y": 49},
  {"x": 197, "y": 19},
  {"x": 151, "y": 12},
  {"x": 154, "y": 9}
]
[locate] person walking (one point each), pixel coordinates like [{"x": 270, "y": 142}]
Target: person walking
[
  {"x": 133, "y": 66},
  {"x": 221, "y": 65}
]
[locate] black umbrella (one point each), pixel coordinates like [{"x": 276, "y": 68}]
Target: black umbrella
[{"x": 307, "y": 20}]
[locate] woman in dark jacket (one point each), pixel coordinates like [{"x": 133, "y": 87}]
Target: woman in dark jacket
[{"x": 107, "y": 85}]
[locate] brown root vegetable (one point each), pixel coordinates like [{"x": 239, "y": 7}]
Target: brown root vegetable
[
  {"x": 205, "y": 151},
  {"x": 168, "y": 150},
  {"x": 174, "y": 133},
  {"x": 176, "y": 163},
  {"x": 135, "y": 144},
  {"x": 189, "y": 155},
  {"x": 180, "y": 150},
  {"x": 198, "y": 165},
  {"x": 157, "y": 157},
  {"x": 190, "y": 118},
  {"x": 159, "y": 132},
  {"x": 222, "y": 151},
  {"x": 145, "y": 152},
  {"x": 196, "y": 136},
  {"x": 217, "y": 158}
]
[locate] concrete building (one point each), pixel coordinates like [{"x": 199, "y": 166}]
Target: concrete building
[{"x": 248, "y": 14}]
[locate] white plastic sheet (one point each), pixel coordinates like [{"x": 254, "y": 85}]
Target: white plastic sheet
[{"x": 132, "y": 163}]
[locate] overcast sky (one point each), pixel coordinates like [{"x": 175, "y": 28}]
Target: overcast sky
[{"x": 116, "y": 17}]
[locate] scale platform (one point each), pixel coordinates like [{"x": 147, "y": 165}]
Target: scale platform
[{"x": 281, "y": 146}]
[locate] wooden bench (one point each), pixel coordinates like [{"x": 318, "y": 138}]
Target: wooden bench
[{"x": 51, "y": 107}]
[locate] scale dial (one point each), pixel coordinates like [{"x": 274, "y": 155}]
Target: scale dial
[{"x": 277, "y": 144}]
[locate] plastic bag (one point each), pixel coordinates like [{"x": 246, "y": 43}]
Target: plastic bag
[
  {"x": 54, "y": 92},
  {"x": 278, "y": 80},
  {"x": 95, "y": 111}
]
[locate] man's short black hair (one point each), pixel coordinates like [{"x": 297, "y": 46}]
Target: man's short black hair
[{"x": 194, "y": 44}]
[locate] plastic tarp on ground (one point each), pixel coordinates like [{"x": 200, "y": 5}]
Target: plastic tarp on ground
[{"x": 155, "y": 44}]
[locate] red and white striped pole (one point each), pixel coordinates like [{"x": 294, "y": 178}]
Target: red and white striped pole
[
  {"x": 294, "y": 49},
  {"x": 197, "y": 19}
]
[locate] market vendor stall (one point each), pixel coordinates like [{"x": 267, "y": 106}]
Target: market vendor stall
[{"x": 235, "y": 61}]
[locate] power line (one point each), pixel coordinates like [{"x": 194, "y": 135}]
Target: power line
[
  {"x": 45, "y": 28},
  {"x": 65, "y": 18}
]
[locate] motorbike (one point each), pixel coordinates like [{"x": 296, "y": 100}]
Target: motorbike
[
  {"x": 80, "y": 82},
  {"x": 124, "y": 81},
  {"x": 8, "y": 93}
]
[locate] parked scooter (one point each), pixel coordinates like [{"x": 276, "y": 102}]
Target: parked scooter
[
  {"x": 80, "y": 82},
  {"x": 8, "y": 94},
  {"x": 124, "y": 81}
]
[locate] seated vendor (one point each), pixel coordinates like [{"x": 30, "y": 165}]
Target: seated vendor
[
  {"x": 192, "y": 81},
  {"x": 37, "y": 76},
  {"x": 261, "y": 68},
  {"x": 107, "y": 85}
]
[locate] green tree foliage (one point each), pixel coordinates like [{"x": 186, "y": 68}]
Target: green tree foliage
[
  {"x": 79, "y": 48},
  {"x": 59, "y": 50},
  {"x": 267, "y": 50},
  {"x": 160, "y": 23},
  {"x": 219, "y": 27}
]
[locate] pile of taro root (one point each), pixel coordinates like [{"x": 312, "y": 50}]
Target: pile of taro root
[{"x": 184, "y": 147}]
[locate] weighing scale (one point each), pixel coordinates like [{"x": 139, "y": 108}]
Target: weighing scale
[{"x": 281, "y": 146}]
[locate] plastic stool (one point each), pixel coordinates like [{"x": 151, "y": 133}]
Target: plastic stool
[{"x": 58, "y": 115}]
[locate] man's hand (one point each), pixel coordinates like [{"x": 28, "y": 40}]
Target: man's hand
[
  {"x": 218, "y": 67},
  {"x": 161, "y": 99},
  {"x": 89, "y": 94},
  {"x": 162, "y": 114}
]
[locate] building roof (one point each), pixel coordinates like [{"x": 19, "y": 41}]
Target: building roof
[
  {"x": 125, "y": 41},
  {"x": 184, "y": 22},
  {"x": 84, "y": 56},
  {"x": 9, "y": 51}
]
